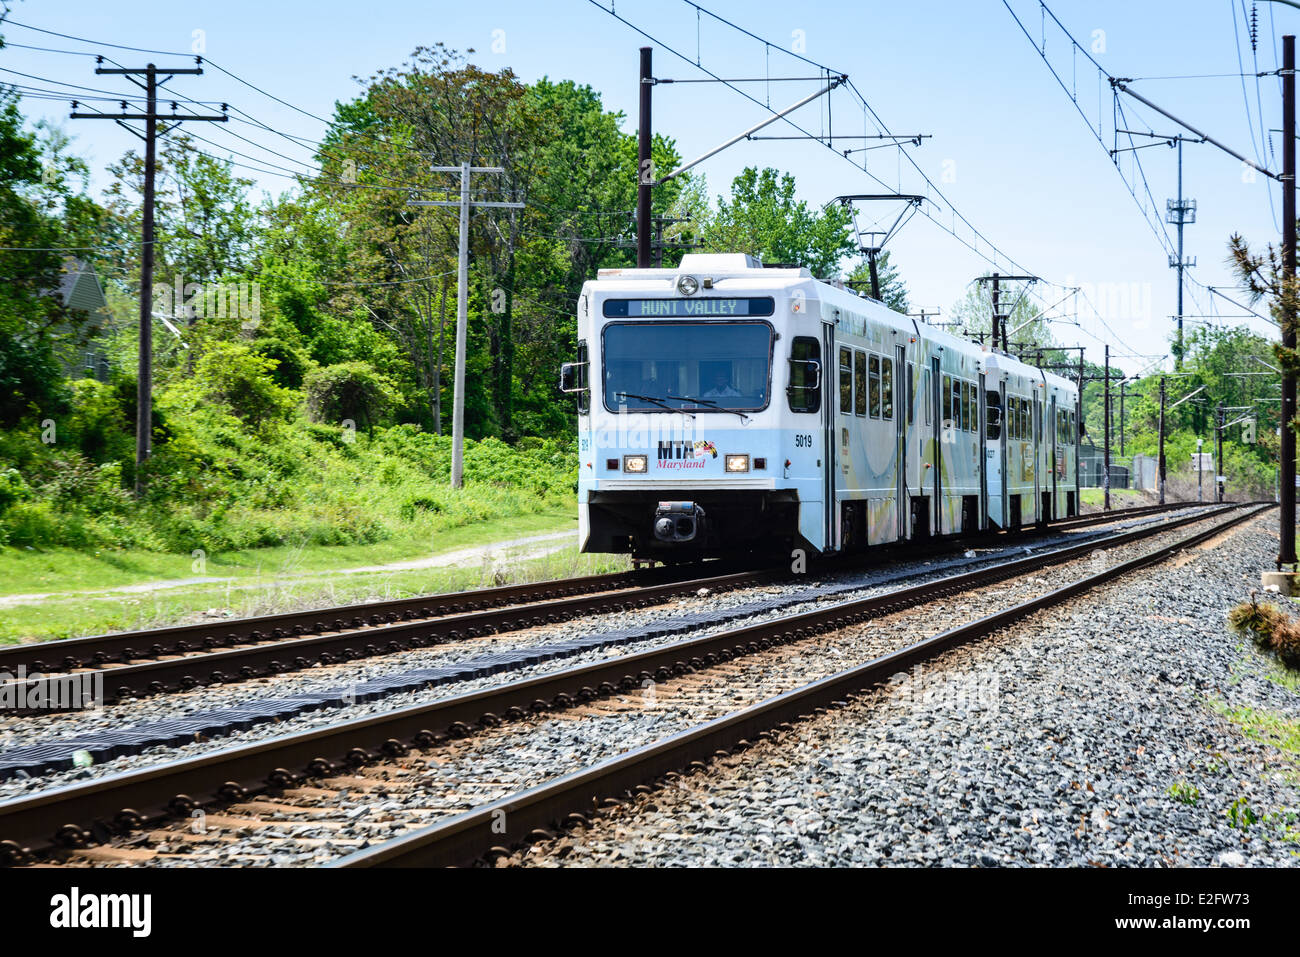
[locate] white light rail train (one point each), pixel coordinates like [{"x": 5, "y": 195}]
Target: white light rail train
[{"x": 726, "y": 408}]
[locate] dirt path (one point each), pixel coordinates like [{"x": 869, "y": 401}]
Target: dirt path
[{"x": 495, "y": 554}]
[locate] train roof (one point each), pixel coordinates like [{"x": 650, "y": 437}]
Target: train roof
[{"x": 718, "y": 266}]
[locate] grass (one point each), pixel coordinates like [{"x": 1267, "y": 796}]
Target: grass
[
  {"x": 1269, "y": 727},
  {"x": 270, "y": 584},
  {"x": 1119, "y": 497},
  {"x": 1281, "y": 732},
  {"x": 38, "y": 570}
]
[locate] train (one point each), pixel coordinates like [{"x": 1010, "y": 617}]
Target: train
[{"x": 726, "y": 407}]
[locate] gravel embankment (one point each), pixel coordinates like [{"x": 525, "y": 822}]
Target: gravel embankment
[{"x": 1094, "y": 734}]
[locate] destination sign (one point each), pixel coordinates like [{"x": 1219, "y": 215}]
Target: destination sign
[{"x": 669, "y": 308}]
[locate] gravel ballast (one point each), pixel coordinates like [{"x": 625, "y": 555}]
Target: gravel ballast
[
  {"x": 1111, "y": 731},
  {"x": 490, "y": 765}
]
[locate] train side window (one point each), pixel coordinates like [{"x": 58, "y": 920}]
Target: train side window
[
  {"x": 947, "y": 401},
  {"x": 875, "y": 386},
  {"x": 887, "y": 388},
  {"x": 993, "y": 416},
  {"x": 805, "y": 391},
  {"x": 846, "y": 380},
  {"x": 1025, "y": 431},
  {"x": 929, "y": 396},
  {"x": 911, "y": 393},
  {"x": 1017, "y": 424},
  {"x": 860, "y": 383},
  {"x": 967, "y": 417},
  {"x": 956, "y": 406}
]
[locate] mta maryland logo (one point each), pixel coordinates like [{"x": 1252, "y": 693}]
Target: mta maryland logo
[{"x": 705, "y": 448}]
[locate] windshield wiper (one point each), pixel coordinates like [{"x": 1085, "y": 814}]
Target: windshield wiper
[
  {"x": 710, "y": 404},
  {"x": 649, "y": 398}
]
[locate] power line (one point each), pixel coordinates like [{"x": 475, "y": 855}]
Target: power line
[{"x": 978, "y": 236}]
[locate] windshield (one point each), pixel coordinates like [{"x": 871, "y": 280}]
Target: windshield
[{"x": 699, "y": 366}]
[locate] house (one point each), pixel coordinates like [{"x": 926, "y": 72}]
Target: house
[{"x": 80, "y": 290}]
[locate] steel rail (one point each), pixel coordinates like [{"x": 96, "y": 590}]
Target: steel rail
[
  {"x": 513, "y": 820},
  {"x": 75, "y": 815},
  {"x": 276, "y": 644},
  {"x": 492, "y": 613},
  {"x": 288, "y": 654},
  {"x": 95, "y": 650}
]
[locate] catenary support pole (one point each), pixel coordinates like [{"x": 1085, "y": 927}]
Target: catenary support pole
[
  {"x": 644, "y": 163},
  {"x": 1286, "y": 557},
  {"x": 1105, "y": 478},
  {"x": 1160, "y": 463}
]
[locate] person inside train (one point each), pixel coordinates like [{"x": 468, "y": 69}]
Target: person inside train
[{"x": 722, "y": 388}]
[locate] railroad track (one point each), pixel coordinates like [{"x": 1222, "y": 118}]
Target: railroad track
[
  {"x": 538, "y": 813},
  {"x": 183, "y": 657},
  {"x": 108, "y": 808}
]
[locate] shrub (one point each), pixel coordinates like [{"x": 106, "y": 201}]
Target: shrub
[
  {"x": 411, "y": 508},
  {"x": 1270, "y": 628},
  {"x": 349, "y": 390},
  {"x": 241, "y": 380},
  {"x": 31, "y": 523},
  {"x": 292, "y": 364},
  {"x": 12, "y": 488}
]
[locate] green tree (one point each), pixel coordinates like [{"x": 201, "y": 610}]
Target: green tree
[
  {"x": 33, "y": 320},
  {"x": 764, "y": 219}
]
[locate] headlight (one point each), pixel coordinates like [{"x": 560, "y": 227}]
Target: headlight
[
  {"x": 688, "y": 285},
  {"x": 634, "y": 463},
  {"x": 737, "y": 463}
]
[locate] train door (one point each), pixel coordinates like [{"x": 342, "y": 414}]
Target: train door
[
  {"x": 830, "y": 409},
  {"x": 1055, "y": 455},
  {"x": 936, "y": 383},
  {"x": 1037, "y": 431},
  {"x": 993, "y": 458},
  {"x": 980, "y": 401},
  {"x": 902, "y": 409}
]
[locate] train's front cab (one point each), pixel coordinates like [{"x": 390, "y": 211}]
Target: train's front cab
[{"x": 701, "y": 426}]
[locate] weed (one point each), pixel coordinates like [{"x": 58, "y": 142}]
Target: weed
[{"x": 1184, "y": 792}]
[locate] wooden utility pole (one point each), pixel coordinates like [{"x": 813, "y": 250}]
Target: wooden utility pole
[
  {"x": 151, "y": 118},
  {"x": 462, "y": 302}
]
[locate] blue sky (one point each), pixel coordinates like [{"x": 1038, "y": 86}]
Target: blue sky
[{"x": 1009, "y": 149}]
